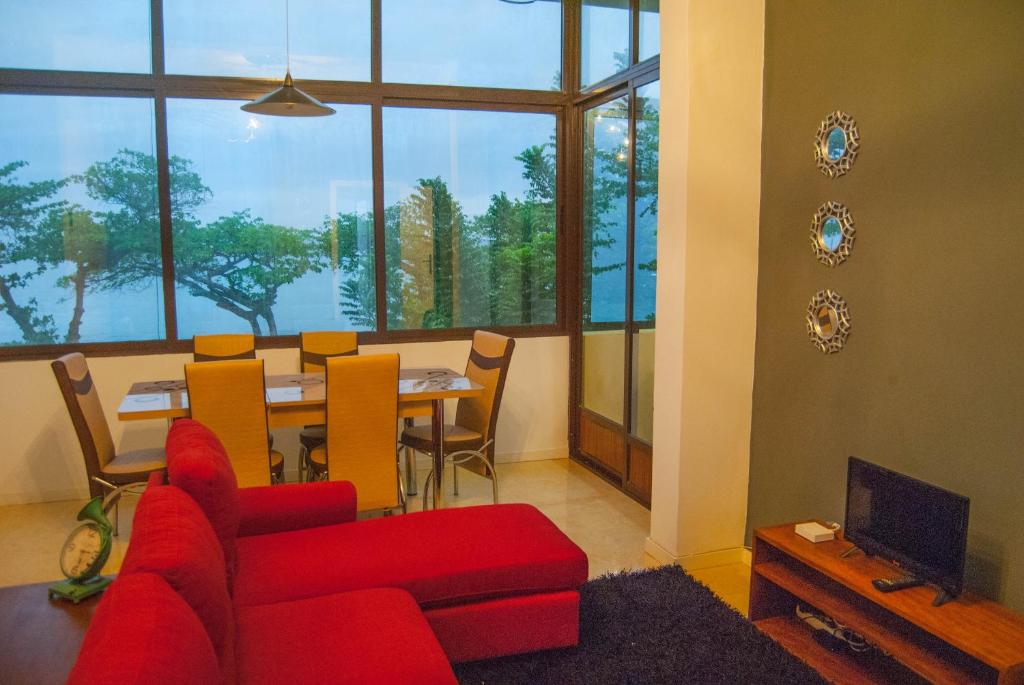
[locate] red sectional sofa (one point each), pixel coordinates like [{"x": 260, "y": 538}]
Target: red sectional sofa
[{"x": 282, "y": 584}]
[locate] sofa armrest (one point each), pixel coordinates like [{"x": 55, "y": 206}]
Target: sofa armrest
[{"x": 279, "y": 508}]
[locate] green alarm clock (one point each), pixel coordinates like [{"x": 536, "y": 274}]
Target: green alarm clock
[{"x": 85, "y": 551}]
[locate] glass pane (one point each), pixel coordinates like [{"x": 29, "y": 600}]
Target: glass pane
[
  {"x": 506, "y": 44},
  {"x": 329, "y": 40},
  {"x": 79, "y": 232},
  {"x": 605, "y": 175},
  {"x": 650, "y": 29},
  {"x": 469, "y": 217},
  {"x": 604, "y": 33},
  {"x": 78, "y": 35},
  {"x": 273, "y": 219}
]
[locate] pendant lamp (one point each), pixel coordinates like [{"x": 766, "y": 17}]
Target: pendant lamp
[{"x": 288, "y": 101}]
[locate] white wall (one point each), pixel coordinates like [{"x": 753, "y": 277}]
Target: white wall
[
  {"x": 712, "y": 64},
  {"x": 42, "y": 461}
]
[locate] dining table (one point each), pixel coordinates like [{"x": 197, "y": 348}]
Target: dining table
[{"x": 299, "y": 399}]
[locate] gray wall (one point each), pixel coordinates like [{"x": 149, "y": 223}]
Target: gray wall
[{"x": 930, "y": 383}]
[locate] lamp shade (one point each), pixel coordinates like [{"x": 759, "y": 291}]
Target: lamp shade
[{"x": 288, "y": 101}]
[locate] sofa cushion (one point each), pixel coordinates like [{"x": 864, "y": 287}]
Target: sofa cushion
[
  {"x": 364, "y": 637},
  {"x": 143, "y": 633},
  {"x": 442, "y": 558},
  {"x": 198, "y": 464},
  {"x": 172, "y": 538}
]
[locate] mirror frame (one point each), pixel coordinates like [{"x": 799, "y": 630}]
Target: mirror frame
[
  {"x": 834, "y": 301},
  {"x": 836, "y": 167},
  {"x": 839, "y": 212}
]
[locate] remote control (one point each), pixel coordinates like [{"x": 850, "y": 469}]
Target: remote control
[{"x": 887, "y": 585}]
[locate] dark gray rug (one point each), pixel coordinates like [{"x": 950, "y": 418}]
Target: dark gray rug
[{"x": 656, "y": 626}]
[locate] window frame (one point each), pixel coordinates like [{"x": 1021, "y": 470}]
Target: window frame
[{"x": 160, "y": 86}]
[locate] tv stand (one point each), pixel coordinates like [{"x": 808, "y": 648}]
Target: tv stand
[{"x": 970, "y": 640}]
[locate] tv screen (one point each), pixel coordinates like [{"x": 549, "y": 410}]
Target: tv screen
[{"x": 921, "y": 527}]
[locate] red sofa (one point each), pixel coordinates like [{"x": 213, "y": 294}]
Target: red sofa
[{"x": 282, "y": 584}]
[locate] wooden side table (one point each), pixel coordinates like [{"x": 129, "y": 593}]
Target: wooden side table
[{"x": 41, "y": 636}]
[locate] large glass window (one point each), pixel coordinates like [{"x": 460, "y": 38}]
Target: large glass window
[
  {"x": 604, "y": 32},
  {"x": 273, "y": 219},
  {"x": 79, "y": 35},
  {"x": 482, "y": 43},
  {"x": 650, "y": 29},
  {"x": 79, "y": 226},
  {"x": 329, "y": 40},
  {"x": 469, "y": 217}
]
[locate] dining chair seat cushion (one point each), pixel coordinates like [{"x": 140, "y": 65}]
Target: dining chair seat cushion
[
  {"x": 198, "y": 464},
  {"x": 368, "y": 637},
  {"x": 311, "y": 436},
  {"x": 172, "y": 538},
  {"x": 144, "y": 633},
  {"x": 441, "y": 557},
  {"x": 455, "y": 438},
  {"x": 136, "y": 462},
  {"x": 318, "y": 455}
]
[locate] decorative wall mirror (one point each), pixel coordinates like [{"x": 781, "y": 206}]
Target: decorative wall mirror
[
  {"x": 828, "y": 321},
  {"x": 836, "y": 145},
  {"x": 832, "y": 232}
]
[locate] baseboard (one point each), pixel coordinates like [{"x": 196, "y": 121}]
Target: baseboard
[
  {"x": 46, "y": 496},
  {"x": 695, "y": 562}
]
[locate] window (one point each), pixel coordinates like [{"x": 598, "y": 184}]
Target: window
[
  {"x": 329, "y": 40},
  {"x": 650, "y": 29},
  {"x": 469, "y": 217},
  {"x": 80, "y": 35},
  {"x": 604, "y": 32},
  {"x": 79, "y": 230},
  {"x": 473, "y": 43},
  {"x": 273, "y": 219}
]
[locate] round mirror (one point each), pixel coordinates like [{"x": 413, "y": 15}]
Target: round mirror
[
  {"x": 828, "y": 321},
  {"x": 825, "y": 320},
  {"x": 835, "y": 144},
  {"x": 831, "y": 234}
]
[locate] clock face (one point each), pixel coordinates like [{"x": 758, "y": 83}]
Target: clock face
[{"x": 84, "y": 554}]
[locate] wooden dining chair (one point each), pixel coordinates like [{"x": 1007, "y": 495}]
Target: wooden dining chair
[
  {"x": 469, "y": 442},
  {"x": 315, "y": 348},
  {"x": 362, "y": 430},
  {"x": 104, "y": 467},
  {"x": 230, "y": 398},
  {"x": 222, "y": 347}
]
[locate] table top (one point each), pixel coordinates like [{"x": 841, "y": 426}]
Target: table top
[
  {"x": 41, "y": 636},
  {"x": 168, "y": 399}
]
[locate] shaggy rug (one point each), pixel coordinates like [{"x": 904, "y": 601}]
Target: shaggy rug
[{"x": 655, "y": 626}]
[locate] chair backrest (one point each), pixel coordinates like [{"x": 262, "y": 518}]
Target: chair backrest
[
  {"x": 230, "y": 399},
  {"x": 83, "y": 402},
  {"x": 222, "y": 347},
  {"x": 316, "y": 347},
  {"x": 362, "y": 427},
  {"x": 489, "y": 359}
]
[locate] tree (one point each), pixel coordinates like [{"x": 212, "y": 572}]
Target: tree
[{"x": 25, "y": 249}]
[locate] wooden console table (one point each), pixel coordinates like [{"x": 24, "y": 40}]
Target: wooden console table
[
  {"x": 41, "y": 636},
  {"x": 968, "y": 640}
]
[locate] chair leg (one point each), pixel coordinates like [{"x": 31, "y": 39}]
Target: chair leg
[
  {"x": 426, "y": 488},
  {"x": 455, "y": 480},
  {"x": 117, "y": 517},
  {"x": 302, "y": 463},
  {"x": 410, "y": 462}
]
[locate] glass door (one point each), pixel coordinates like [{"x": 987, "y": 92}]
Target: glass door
[{"x": 614, "y": 378}]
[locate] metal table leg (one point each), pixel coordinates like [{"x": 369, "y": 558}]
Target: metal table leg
[
  {"x": 410, "y": 465},
  {"x": 437, "y": 437}
]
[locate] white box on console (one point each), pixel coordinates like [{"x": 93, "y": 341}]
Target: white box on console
[{"x": 815, "y": 532}]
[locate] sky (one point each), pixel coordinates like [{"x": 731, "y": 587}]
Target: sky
[{"x": 287, "y": 171}]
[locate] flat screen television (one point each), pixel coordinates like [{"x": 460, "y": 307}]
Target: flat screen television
[{"x": 920, "y": 527}]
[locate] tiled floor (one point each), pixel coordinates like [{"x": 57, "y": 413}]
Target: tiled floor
[{"x": 610, "y": 527}]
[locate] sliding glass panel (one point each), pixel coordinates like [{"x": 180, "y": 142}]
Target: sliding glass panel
[
  {"x": 604, "y": 36},
  {"x": 469, "y": 217},
  {"x": 76, "y": 35},
  {"x": 273, "y": 219},
  {"x": 650, "y": 29},
  {"x": 645, "y": 255},
  {"x": 605, "y": 172},
  {"x": 329, "y": 40},
  {"x": 484, "y": 43},
  {"x": 79, "y": 231}
]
